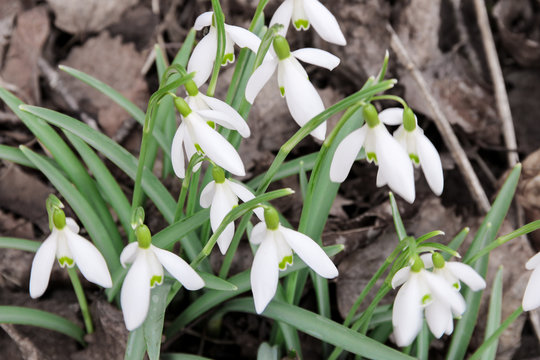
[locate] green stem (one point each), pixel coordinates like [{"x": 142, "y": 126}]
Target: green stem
[
  {"x": 509, "y": 320},
  {"x": 79, "y": 292},
  {"x": 525, "y": 229},
  {"x": 220, "y": 49},
  {"x": 193, "y": 192},
  {"x": 195, "y": 159},
  {"x": 390, "y": 97}
]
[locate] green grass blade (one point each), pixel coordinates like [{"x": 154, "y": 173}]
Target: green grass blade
[
  {"x": 456, "y": 242},
  {"x": 167, "y": 237},
  {"x": 19, "y": 244},
  {"x": 219, "y": 20},
  {"x": 213, "y": 282},
  {"x": 182, "y": 56},
  {"x": 114, "y": 152},
  {"x": 490, "y": 226},
  {"x": 83, "y": 209},
  {"x": 178, "y": 356},
  {"x": 136, "y": 346},
  {"x": 33, "y": 317},
  {"x": 494, "y": 314},
  {"x": 321, "y": 328},
  {"x": 153, "y": 324},
  {"x": 15, "y": 155},
  {"x": 398, "y": 223}
]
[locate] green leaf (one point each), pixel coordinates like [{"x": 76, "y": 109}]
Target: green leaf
[
  {"x": 167, "y": 237},
  {"x": 153, "y": 325},
  {"x": 118, "y": 98},
  {"x": 83, "y": 209},
  {"x": 398, "y": 223},
  {"x": 456, "y": 242},
  {"x": 219, "y": 20},
  {"x": 182, "y": 56},
  {"x": 136, "y": 346},
  {"x": 178, "y": 356},
  {"x": 114, "y": 152},
  {"x": 214, "y": 297},
  {"x": 214, "y": 282},
  {"x": 494, "y": 314},
  {"x": 321, "y": 328},
  {"x": 267, "y": 352},
  {"x": 465, "y": 326},
  {"x": 26, "y": 316},
  {"x": 19, "y": 244},
  {"x": 15, "y": 155}
]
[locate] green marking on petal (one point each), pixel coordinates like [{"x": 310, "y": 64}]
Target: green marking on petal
[
  {"x": 415, "y": 159},
  {"x": 426, "y": 299},
  {"x": 371, "y": 156},
  {"x": 227, "y": 58},
  {"x": 282, "y": 91},
  {"x": 301, "y": 24},
  {"x": 156, "y": 280},
  {"x": 198, "y": 147},
  {"x": 287, "y": 260},
  {"x": 66, "y": 261},
  {"x": 456, "y": 285},
  {"x": 211, "y": 124}
]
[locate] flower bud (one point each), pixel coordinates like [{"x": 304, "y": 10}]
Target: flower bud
[
  {"x": 271, "y": 218},
  {"x": 371, "y": 116},
  {"x": 182, "y": 106},
  {"x": 281, "y": 47},
  {"x": 143, "y": 236}
]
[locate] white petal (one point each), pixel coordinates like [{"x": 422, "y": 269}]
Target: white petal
[
  {"x": 397, "y": 167},
  {"x": 217, "y": 148},
  {"x": 128, "y": 254},
  {"x": 445, "y": 292},
  {"x": 202, "y": 58},
  {"x": 407, "y": 312},
  {"x": 89, "y": 260},
  {"x": 401, "y": 276},
  {"x": 245, "y": 195},
  {"x": 178, "y": 268},
  {"x": 317, "y": 57},
  {"x": 438, "y": 315},
  {"x": 264, "y": 274},
  {"x": 324, "y": 22},
  {"x": 431, "y": 163},
  {"x": 259, "y": 78},
  {"x": 177, "y": 152},
  {"x": 466, "y": 274},
  {"x": 533, "y": 262},
  {"x": 303, "y": 101},
  {"x": 243, "y": 38},
  {"x": 42, "y": 265},
  {"x": 236, "y": 119},
  {"x": 346, "y": 153},
  {"x": 391, "y": 116},
  {"x": 135, "y": 294},
  {"x": 205, "y": 19},
  {"x": 283, "y": 16},
  {"x": 258, "y": 233},
  {"x": 72, "y": 225},
  {"x": 221, "y": 206},
  {"x": 226, "y": 121},
  {"x": 531, "y": 298},
  {"x": 427, "y": 259},
  {"x": 207, "y": 194},
  {"x": 310, "y": 252}
]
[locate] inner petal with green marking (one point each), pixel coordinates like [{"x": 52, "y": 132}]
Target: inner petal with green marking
[
  {"x": 156, "y": 280},
  {"x": 66, "y": 261},
  {"x": 371, "y": 156},
  {"x": 227, "y": 58},
  {"x": 287, "y": 260},
  {"x": 415, "y": 158},
  {"x": 301, "y": 24}
]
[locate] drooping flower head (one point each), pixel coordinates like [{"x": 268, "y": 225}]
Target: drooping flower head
[
  {"x": 70, "y": 249},
  {"x": 146, "y": 272},
  {"x": 222, "y": 195},
  {"x": 302, "y": 99},
  {"x": 421, "y": 151},
  {"x": 275, "y": 253},
  {"x": 204, "y": 55},
  {"x": 196, "y": 133},
  {"x": 395, "y": 168},
  {"x": 303, "y": 13}
]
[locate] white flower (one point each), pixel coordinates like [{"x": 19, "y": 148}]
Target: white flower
[
  {"x": 531, "y": 298},
  {"x": 302, "y": 99},
  {"x": 420, "y": 149},
  {"x": 147, "y": 272},
  {"x": 195, "y": 134},
  {"x": 302, "y": 13},
  {"x": 395, "y": 168},
  {"x": 70, "y": 248},
  {"x": 422, "y": 289},
  {"x": 204, "y": 55},
  {"x": 275, "y": 252},
  {"x": 221, "y": 195}
]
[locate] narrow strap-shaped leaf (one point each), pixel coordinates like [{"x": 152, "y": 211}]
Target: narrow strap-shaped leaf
[
  {"x": 15, "y": 155},
  {"x": 34, "y": 317},
  {"x": 67, "y": 160},
  {"x": 114, "y": 152},
  {"x": 321, "y": 328},
  {"x": 494, "y": 314},
  {"x": 153, "y": 325},
  {"x": 398, "y": 223},
  {"x": 179, "y": 356},
  {"x": 19, "y": 244},
  {"x": 166, "y": 238},
  {"x": 83, "y": 209},
  {"x": 216, "y": 283}
]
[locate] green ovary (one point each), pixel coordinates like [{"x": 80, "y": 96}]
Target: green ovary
[{"x": 287, "y": 260}]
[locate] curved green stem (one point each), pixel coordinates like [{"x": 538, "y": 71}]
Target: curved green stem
[
  {"x": 390, "y": 97},
  {"x": 79, "y": 292}
]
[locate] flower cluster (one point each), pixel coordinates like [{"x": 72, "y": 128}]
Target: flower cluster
[{"x": 436, "y": 293}]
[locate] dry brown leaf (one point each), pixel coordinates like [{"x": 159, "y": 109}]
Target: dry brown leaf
[
  {"x": 114, "y": 63},
  {"x": 87, "y": 16}
]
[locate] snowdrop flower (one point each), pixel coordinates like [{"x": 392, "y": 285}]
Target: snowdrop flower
[
  {"x": 204, "y": 55},
  {"x": 395, "y": 168},
  {"x": 196, "y": 134},
  {"x": 302, "y": 99},
  {"x": 70, "y": 248},
  {"x": 420, "y": 149},
  {"x": 531, "y": 298},
  {"x": 146, "y": 272},
  {"x": 422, "y": 289},
  {"x": 302, "y": 13},
  {"x": 439, "y": 315},
  {"x": 275, "y": 252},
  {"x": 221, "y": 195}
]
